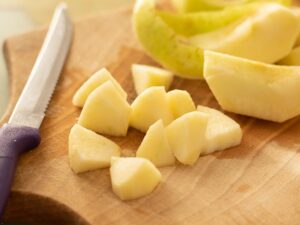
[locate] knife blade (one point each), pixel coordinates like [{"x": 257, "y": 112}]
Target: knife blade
[{"x": 21, "y": 133}]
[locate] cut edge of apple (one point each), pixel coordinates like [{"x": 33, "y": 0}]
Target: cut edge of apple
[{"x": 271, "y": 80}]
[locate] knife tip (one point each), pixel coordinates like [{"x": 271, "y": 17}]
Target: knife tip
[{"x": 62, "y": 6}]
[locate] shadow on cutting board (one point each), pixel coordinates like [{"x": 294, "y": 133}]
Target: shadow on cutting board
[
  {"x": 31, "y": 209},
  {"x": 13, "y": 223}
]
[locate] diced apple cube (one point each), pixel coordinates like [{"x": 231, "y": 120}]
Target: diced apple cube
[
  {"x": 186, "y": 136},
  {"x": 106, "y": 111},
  {"x": 148, "y": 76},
  {"x": 150, "y": 106},
  {"x": 180, "y": 102},
  {"x": 89, "y": 151},
  {"x": 132, "y": 178},
  {"x": 155, "y": 146},
  {"x": 222, "y": 132},
  {"x": 97, "y": 79}
]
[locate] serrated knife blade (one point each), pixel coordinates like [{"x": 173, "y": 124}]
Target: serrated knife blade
[
  {"x": 30, "y": 108},
  {"x": 21, "y": 133}
]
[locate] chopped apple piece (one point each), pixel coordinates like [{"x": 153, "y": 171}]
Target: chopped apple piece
[
  {"x": 133, "y": 178},
  {"x": 180, "y": 102},
  {"x": 150, "y": 106},
  {"x": 97, "y": 79},
  {"x": 251, "y": 88},
  {"x": 149, "y": 76},
  {"x": 106, "y": 111},
  {"x": 155, "y": 146},
  {"x": 256, "y": 37},
  {"x": 90, "y": 151},
  {"x": 222, "y": 132},
  {"x": 186, "y": 136}
]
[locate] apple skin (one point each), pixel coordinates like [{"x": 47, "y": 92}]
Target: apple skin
[
  {"x": 212, "y": 5},
  {"x": 184, "y": 56},
  {"x": 201, "y": 22},
  {"x": 259, "y": 37},
  {"x": 165, "y": 46}
]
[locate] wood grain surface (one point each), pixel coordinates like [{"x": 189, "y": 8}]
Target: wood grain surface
[{"x": 255, "y": 183}]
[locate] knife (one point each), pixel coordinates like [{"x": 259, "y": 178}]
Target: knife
[{"x": 21, "y": 133}]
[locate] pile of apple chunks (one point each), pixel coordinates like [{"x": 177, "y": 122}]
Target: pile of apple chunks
[
  {"x": 247, "y": 52},
  {"x": 175, "y": 129}
]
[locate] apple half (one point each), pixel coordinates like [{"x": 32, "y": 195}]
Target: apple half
[{"x": 252, "y": 88}]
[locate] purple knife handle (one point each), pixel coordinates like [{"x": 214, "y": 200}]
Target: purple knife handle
[{"x": 14, "y": 140}]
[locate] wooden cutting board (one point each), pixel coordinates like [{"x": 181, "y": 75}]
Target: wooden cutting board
[{"x": 255, "y": 183}]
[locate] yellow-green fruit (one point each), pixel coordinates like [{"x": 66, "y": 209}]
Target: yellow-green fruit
[
  {"x": 180, "y": 102},
  {"x": 97, "y": 79},
  {"x": 186, "y": 136},
  {"x": 148, "y": 76},
  {"x": 206, "y": 5},
  {"x": 253, "y": 38},
  {"x": 260, "y": 37},
  {"x": 188, "y": 24},
  {"x": 90, "y": 151},
  {"x": 155, "y": 146},
  {"x": 162, "y": 43},
  {"x": 203, "y": 5},
  {"x": 150, "y": 106},
  {"x": 252, "y": 88},
  {"x": 222, "y": 132},
  {"x": 133, "y": 178},
  {"x": 106, "y": 111}
]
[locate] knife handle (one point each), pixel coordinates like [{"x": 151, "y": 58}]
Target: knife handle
[{"x": 14, "y": 140}]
